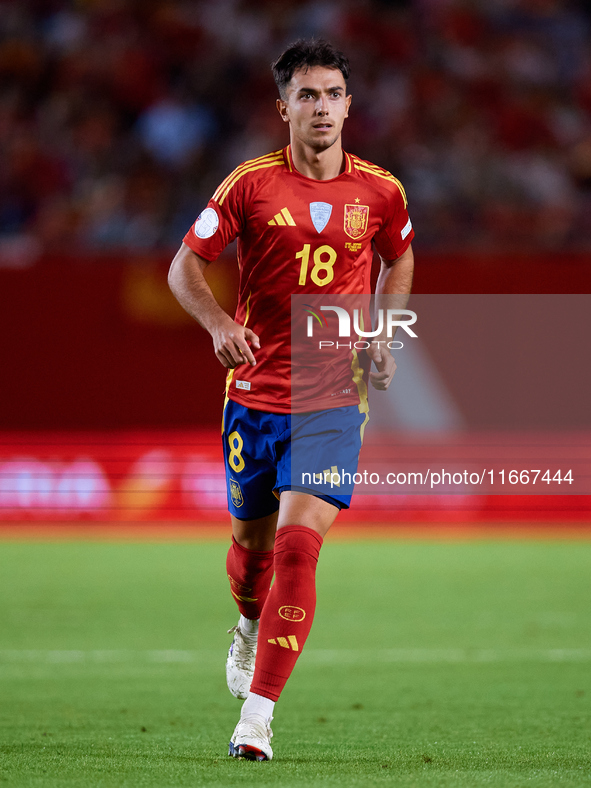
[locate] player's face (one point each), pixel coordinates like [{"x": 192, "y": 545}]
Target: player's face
[{"x": 316, "y": 106}]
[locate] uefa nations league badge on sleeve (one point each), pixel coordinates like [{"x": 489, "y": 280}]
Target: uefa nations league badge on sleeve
[{"x": 207, "y": 223}]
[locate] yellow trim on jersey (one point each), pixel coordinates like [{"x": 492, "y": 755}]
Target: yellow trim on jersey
[
  {"x": 291, "y": 167},
  {"x": 240, "y": 168},
  {"x": 271, "y": 163},
  {"x": 388, "y": 177},
  {"x": 375, "y": 167},
  {"x": 229, "y": 377},
  {"x": 229, "y": 177},
  {"x": 230, "y": 374},
  {"x": 371, "y": 165},
  {"x": 361, "y": 390},
  {"x": 378, "y": 172}
]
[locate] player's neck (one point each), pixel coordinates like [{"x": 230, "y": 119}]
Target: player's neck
[{"x": 321, "y": 166}]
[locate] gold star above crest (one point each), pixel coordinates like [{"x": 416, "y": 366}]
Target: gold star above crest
[{"x": 357, "y": 199}]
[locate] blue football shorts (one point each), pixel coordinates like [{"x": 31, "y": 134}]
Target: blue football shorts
[{"x": 267, "y": 453}]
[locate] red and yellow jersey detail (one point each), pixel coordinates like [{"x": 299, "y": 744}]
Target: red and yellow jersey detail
[
  {"x": 297, "y": 235},
  {"x": 348, "y": 160},
  {"x": 270, "y": 160},
  {"x": 373, "y": 169},
  {"x": 230, "y": 373}
]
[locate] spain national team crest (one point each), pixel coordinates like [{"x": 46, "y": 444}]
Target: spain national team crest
[
  {"x": 236, "y": 494},
  {"x": 356, "y": 220}
]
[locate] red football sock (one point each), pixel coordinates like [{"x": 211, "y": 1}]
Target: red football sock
[
  {"x": 250, "y": 573},
  {"x": 289, "y": 611}
]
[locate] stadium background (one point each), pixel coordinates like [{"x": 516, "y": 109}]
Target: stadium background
[{"x": 118, "y": 119}]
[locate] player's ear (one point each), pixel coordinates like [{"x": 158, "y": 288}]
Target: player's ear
[
  {"x": 347, "y": 104},
  {"x": 282, "y": 109}
]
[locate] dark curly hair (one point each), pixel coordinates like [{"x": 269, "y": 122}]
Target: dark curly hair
[{"x": 306, "y": 53}]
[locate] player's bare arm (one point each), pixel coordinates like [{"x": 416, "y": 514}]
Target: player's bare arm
[
  {"x": 392, "y": 291},
  {"x": 231, "y": 341}
]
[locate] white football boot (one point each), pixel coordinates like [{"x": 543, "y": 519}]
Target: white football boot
[
  {"x": 240, "y": 663},
  {"x": 252, "y": 739}
]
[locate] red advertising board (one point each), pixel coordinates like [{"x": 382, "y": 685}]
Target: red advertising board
[{"x": 178, "y": 476}]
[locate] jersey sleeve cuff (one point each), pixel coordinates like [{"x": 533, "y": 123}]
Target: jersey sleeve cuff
[
  {"x": 407, "y": 242},
  {"x": 196, "y": 247},
  {"x": 402, "y": 249}
]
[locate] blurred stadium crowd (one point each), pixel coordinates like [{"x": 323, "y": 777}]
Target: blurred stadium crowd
[{"x": 118, "y": 118}]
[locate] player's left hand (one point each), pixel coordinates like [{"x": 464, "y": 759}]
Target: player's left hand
[{"x": 385, "y": 365}]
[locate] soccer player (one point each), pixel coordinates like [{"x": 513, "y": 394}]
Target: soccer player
[{"x": 306, "y": 218}]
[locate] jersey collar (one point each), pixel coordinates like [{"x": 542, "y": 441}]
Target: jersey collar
[{"x": 290, "y": 165}]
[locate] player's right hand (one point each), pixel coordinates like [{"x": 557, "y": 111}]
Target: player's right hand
[{"x": 232, "y": 342}]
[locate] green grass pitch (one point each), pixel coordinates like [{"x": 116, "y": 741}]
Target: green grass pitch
[{"x": 430, "y": 663}]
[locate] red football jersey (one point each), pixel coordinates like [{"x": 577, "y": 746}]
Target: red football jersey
[{"x": 297, "y": 235}]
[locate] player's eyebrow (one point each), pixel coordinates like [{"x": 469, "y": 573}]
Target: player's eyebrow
[{"x": 328, "y": 90}]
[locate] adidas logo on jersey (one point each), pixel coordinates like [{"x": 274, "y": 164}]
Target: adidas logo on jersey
[
  {"x": 289, "y": 642},
  {"x": 282, "y": 218}
]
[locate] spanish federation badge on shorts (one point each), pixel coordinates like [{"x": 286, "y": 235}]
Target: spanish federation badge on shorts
[
  {"x": 236, "y": 494},
  {"x": 356, "y": 220}
]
